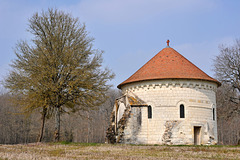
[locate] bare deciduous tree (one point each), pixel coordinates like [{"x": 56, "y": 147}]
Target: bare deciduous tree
[
  {"x": 58, "y": 71},
  {"x": 227, "y": 70},
  {"x": 227, "y": 67}
]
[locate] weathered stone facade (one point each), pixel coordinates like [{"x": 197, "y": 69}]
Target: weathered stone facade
[
  {"x": 165, "y": 97},
  {"x": 172, "y": 111}
]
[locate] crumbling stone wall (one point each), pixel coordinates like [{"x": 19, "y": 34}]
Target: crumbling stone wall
[
  {"x": 119, "y": 118},
  {"x": 165, "y": 97},
  {"x": 110, "y": 133},
  {"x": 167, "y": 135},
  {"x": 122, "y": 124},
  {"x": 166, "y": 126},
  {"x": 133, "y": 126},
  {"x": 210, "y": 134}
]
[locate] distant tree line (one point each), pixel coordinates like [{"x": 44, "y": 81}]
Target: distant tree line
[{"x": 86, "y": 126}]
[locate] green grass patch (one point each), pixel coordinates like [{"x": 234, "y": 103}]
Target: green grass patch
[
  {"x": 76, "y": 144},
  {"x": 89, "y": 144},
  {"x": 66, "y": 142}
]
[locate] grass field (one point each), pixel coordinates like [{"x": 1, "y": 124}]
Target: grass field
[{"x": 120, "y": 151}]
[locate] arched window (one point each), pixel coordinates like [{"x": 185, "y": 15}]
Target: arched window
[
  {"x": 149, "y": 112},
  {"x": 182, "y": 114},
  {"x": 213, "y": 113}
]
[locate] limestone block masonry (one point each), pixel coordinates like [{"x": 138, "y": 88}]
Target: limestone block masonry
[
  {"x": 169, "y": 101},
  {"x": 198, "y": 125}
]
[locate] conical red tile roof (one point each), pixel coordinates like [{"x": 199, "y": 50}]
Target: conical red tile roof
[{"x": 168, "y": 64}]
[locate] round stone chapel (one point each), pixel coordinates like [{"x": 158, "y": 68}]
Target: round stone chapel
[{"x": 168, "y": 100}]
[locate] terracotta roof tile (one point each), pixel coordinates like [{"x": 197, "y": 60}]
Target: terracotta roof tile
[{"x": 168, "y": 64}]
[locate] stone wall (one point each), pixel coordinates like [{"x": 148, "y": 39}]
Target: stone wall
[
  {"x": 133, "y": 126},
  {"x": 165, "y": 97}
]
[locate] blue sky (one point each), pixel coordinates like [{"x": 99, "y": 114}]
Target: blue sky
[{"x": 131, "y": 32}]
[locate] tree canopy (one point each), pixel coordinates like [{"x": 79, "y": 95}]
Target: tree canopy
[{"x": 58, "y": 69}]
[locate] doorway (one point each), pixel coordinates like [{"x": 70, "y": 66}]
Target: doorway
[{"x": 197, "y": 132}]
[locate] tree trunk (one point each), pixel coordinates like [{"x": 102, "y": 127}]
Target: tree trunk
[
  {"x": 57, "y": 124},
  {"x": 43, "y": 124}
]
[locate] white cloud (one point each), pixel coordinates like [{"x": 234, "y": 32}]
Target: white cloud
[{"x": 122, "y": 11}]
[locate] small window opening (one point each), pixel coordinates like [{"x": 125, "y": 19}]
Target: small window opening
[
  {"x": 182, "y": 114},
  {"x": 214, "y": 114},
  {"x": 149, "y": 112}
]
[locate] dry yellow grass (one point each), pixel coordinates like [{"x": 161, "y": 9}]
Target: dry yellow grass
[{"x": 49, "y": 151}]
